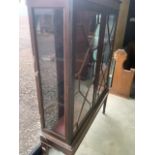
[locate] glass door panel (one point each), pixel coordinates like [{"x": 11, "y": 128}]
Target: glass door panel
[
  {"x": 86, "y": 45},
  {"x": 106, "y": 54}
]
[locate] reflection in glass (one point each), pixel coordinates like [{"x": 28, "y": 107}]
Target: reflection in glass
[
  {"x": 107, "y": 50},
  {"x": 86, "y": 44},
  {"x": 111, "y": 72},
  {"x": 49, "y": 36}
]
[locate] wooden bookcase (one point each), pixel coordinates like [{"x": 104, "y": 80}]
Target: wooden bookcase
[{"x": 72, "y": 42}]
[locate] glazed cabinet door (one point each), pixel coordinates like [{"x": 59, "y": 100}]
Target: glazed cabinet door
[
  {"x": 87, "y": 29},
  {"x": 93, "y": 37},
  {"x": 106, "y": 65}
]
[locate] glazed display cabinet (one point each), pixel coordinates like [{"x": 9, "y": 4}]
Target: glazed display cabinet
[{"x": 72, "y": 43}]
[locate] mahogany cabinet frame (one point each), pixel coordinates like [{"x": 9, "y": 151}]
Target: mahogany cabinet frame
[{"x": 70, "y": 142}]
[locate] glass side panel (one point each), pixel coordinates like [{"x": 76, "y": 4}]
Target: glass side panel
[
  {"x": 107, "y": 51},
  {"x": 49, "y": 37},
  {"x": 86, "y": 44}
]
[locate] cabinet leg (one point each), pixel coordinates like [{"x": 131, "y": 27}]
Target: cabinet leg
[{"x": 104, "y": 105}]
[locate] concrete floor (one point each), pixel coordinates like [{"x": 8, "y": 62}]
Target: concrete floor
[{"x": 110, "y": 134}]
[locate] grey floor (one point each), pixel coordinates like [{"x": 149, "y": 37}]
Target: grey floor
[{"x": 110, "y": 134}]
